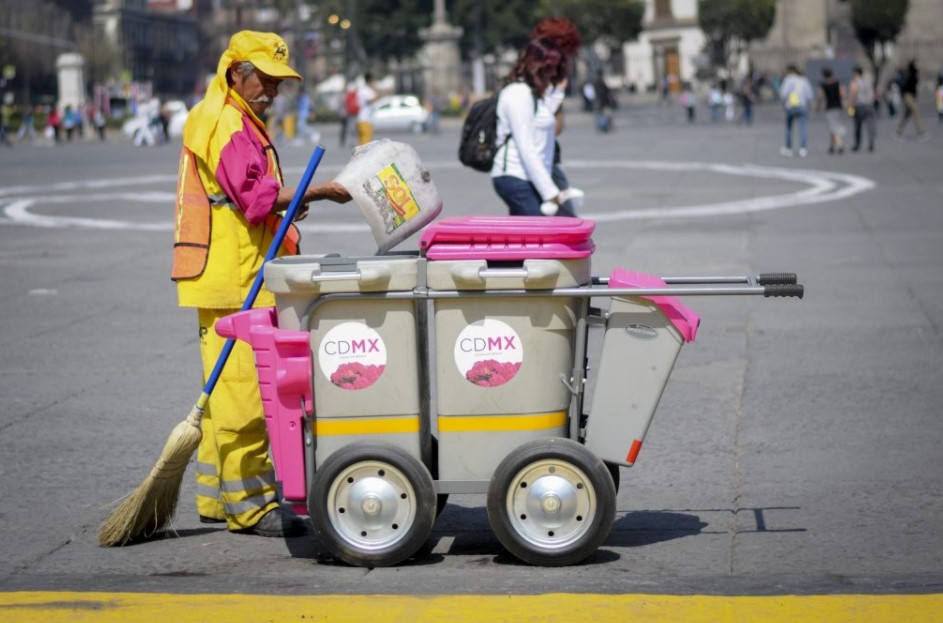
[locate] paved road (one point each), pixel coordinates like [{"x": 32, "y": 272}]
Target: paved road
[{"x": 796, "y": 449}]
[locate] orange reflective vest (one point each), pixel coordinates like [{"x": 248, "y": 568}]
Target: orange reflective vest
[{"x": 193, "y": 217}]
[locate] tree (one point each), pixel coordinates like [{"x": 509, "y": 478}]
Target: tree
[
  {"x": 732, "y": 24},
  {"x": 877, "y": 24}
]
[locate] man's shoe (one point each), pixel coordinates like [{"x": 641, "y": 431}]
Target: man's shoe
[
  {"x": 278, "y": 523},
  {"x": 802, "y": 152},
  {"x": 785, "y": 151},
  {"x": 205, "y": 519}
]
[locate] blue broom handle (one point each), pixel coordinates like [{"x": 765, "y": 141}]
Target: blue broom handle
[{"x": 290, "y": 213}]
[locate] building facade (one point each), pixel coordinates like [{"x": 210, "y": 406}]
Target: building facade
[
  {"x": 670, "y": 48},
  {"x": 821, "y": 30},
  {"x": 159, "y": 45}
]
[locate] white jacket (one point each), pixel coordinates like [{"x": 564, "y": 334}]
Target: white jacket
[{"x": 529, "y": 153}]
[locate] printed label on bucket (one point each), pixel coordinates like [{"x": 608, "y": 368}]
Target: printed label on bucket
[
  {"x": 401, "y": 205},
  {"x": 352, "y": 356},
  {"x": 488, "y": 353}
]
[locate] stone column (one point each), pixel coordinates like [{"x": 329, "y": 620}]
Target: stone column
[
  {"x": 70, "y": 68},
  {"x": 440, "y": 57}
]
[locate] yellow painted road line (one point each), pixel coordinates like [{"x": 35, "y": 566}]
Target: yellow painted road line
[{"x": 60, "y": 607}]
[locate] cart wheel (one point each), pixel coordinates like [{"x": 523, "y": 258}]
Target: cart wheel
[
  {"x": 551, "y": 502},
  {"x": 372, "y": 505},
  {"x": 614, "y": 472}
]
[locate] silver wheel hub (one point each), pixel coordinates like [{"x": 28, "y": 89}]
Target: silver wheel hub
[
  {"x": 372, "y": 505},
  {"x": 551, "y": 504}
]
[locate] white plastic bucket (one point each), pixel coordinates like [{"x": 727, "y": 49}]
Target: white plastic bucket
[{"x": 394, "y": 191}]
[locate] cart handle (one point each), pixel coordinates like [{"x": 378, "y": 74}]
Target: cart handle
[
  {"x": 479, "y": 274},
  {"x": 783, "y": 289},
  {"x": 363, "y": 274}
]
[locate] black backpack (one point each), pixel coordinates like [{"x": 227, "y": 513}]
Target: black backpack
[{"x": 479, "y": 132}]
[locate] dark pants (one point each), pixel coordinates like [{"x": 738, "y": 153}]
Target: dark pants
[
  {"x": 520, "y": 195},
  {"x": 792, "y": 116}
]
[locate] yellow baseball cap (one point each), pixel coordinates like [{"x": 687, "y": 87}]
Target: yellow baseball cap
[{"x": 266, "y": 50}]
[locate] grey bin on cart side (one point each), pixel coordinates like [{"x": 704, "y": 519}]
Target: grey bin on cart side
[{"x": 639, "y": 350}]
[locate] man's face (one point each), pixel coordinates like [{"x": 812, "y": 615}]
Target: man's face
[{"x": 257, "y": 89}]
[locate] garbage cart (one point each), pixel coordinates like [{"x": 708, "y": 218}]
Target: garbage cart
[{"x": 392, "y": 381}]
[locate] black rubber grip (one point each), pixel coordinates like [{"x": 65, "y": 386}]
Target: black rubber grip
[
  {"x": 770, "y": 278},
  {"x": 784, "y": 289}
]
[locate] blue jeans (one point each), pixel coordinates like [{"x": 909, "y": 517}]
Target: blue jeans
[
  {"x": 520, "y": 195},
  {"x": 791, "y": 116}
]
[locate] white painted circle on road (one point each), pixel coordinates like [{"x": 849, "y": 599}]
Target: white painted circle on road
[{"x": 817, "y": 187}]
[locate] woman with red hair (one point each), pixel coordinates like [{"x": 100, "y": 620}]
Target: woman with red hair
[
  {"x": 521, "y": 174},
  {"x": 566, "y": 35}
]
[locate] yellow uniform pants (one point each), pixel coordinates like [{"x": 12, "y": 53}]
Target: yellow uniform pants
[
  {"x": 235, "y": 478},
  {"x": 364, "y": 132}
]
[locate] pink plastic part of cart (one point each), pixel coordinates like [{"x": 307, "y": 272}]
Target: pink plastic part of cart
[
  {"x": 283, "y": 363},
  {"x": 508, "y": 238},
  {"x": 507, "y": 229},
  {"x": 683, "y": 318}
]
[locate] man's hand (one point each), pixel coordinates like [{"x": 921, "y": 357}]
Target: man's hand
[
  {"x": 329, "y": 191},
  {"x": 332, "y": 191}
]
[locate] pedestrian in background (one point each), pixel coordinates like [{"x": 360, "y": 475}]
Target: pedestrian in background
[
  {"x": 434, "y": 108},
  {"x": 797, "y": 97},
  {"x": 747, "y": 98},
  {"x": 521, "y": 174},
  {"x": 908, "y": 91},
  {"x": 27, "y": 131},
  {"x": 98, "y": 122},
  {"x": 688, "y": 101},
  {"x": 832, "y": 97},
  {"x": 347, "y": 111},
  {"x": 366, "y": 97},
  {"x": 603, "y": 103},
  {"x": 861, "y": 99},
  {"x": 53, "y": 124},
  {"x": 70, "y": 120}
]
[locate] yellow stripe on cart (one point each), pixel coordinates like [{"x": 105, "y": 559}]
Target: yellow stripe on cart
[
  {"x": 447, "y": 424},
  {"x": 487, "y": 423}
]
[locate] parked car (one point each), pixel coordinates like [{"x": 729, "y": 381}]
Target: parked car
[
  {"x": 147, "y": 115},
  {"x": 399, "y": 112}
]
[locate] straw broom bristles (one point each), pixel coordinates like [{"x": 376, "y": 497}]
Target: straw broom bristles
[{"x": 149, "y": 508}]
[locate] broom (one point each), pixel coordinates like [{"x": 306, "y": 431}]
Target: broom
[{"x": 148, "y": 509}]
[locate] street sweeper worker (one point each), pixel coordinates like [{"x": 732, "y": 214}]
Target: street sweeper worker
[{"x": 230, "y": 193}]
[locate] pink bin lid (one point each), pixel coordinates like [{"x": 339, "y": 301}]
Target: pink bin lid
[
  {"x": 683, "y": 318},
  {"x": 511, "y": 251},
  {"x": 507, "y": 229}
]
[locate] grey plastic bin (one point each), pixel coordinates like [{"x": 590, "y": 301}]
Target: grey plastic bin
[
  {"x": 364, "y": 349},
  {"x": 501, "y": 363}
]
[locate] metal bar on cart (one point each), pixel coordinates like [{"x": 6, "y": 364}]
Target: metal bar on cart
[
  {"x": 759, "y": 279},
  {"x": 772, "y": 290}
]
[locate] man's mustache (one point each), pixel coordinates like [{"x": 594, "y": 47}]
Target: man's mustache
[{"x": 262, "y": 99}]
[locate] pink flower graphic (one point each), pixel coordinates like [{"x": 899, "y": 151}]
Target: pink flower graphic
[
  {"x": 491, "y": 373},
  {"x": 356, "y": 375}
]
